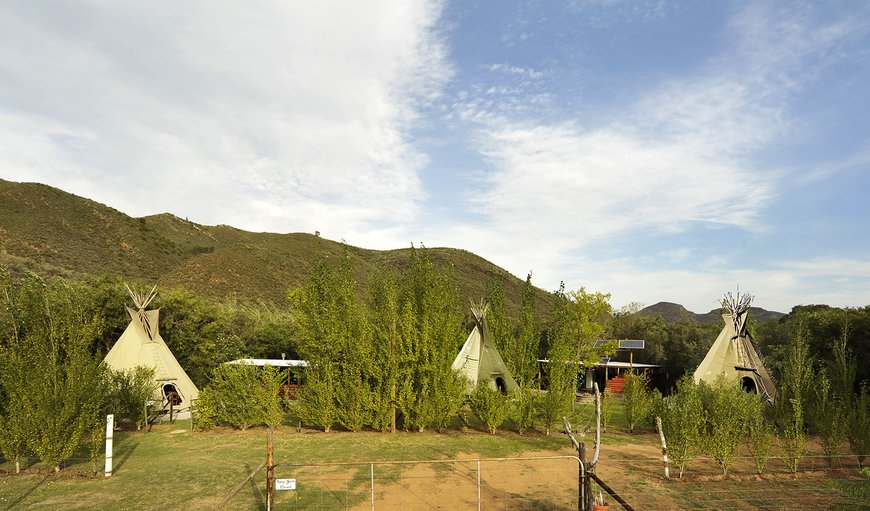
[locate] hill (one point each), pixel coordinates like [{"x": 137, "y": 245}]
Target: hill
[
  {"x": 674, "y": 312},
  {"x": 57, "y": 233}
]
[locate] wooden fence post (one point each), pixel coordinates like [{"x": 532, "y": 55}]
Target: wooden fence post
[
  {"x": 270, "y": 472},
  {"x": 664, "y": 447}
]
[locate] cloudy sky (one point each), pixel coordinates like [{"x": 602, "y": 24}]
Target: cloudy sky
[{"x": 655, "y": 150}]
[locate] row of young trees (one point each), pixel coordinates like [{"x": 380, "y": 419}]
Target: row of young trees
[
  {"x": 381, "y": 357},
  {"x": 812, "y": 397},
  {"x": 54, "y": 390}
]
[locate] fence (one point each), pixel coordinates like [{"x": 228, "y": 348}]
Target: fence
[{"x": 538, "y": 483}]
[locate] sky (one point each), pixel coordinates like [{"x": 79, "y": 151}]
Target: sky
[{"x": 653, "y": 150}]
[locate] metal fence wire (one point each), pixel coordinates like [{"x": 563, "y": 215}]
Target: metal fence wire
[{"x": 538, "y": 483}]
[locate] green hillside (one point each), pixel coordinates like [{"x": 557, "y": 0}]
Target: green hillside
[
  {"x": 674, "y": 312},
  {"x": 54, "y": 232}
]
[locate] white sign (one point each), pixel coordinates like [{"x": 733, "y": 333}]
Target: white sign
[{"x": 285, "y": 484}]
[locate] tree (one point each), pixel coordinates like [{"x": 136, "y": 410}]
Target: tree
[
  {"x": 525, "y": 408},
  {"x": 524, "y": 352},
  {"x": 490, "y": 406},
  {"x": 430, "y": 327},
  {"x": 637, "y": 400},
  {"x": 683, "y": 420},
  {"x": 859, "y": 433},
  {"x": 383, "y": 310},
  {"x": 59, "y": 388},
  {"x": 761, "y": 434},
  {"x": 728, "y": 408},
  {"x": 334, "y": 339},
  {"x": 789, "y": 408},
  {"x": 128, "y": 392},
  {"x": 829, "y": 413},
  {"x": 243, "y": 395}
]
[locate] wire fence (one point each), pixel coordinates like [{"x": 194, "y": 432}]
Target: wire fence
[
  {"x": 543, "y": 483},
  {"x": 537, "y": 483}
]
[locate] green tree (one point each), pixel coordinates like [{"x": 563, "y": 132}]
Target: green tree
[
  {"x": 761, "y": 434},
  {"x": 796, "y": 370},
  {"x": 683, "y": 420},
  {"x": 829, "y": 413},
  {"x": 728, "y": 408},
  {"x": 637, "y": 399},
  {"x": 62, "y": 391},
  {"x": 524, "y": 352},
  {"x": 859, "y": 433},
  {"x": 243, "y": 395},
  {"x": 490, "y": 406},
  {"x": 430, "y": 330},
  {"x": 334, "y": 335},
  {"x": 128, "y": 392},
  {"x": 383, "y": 310},
  {"x": 525, "y": 408}
]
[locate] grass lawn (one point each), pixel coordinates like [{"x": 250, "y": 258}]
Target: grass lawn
[{"x": 172, "y": 468}]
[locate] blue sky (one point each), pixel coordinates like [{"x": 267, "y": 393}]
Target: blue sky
[{"x": 654, "y": 150}]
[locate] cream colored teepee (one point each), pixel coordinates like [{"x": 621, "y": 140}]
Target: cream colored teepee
[
  {"x": 734, "y": 353},
  {"x": 478, "y": 360},
  {"x": 141, "y": 345}
]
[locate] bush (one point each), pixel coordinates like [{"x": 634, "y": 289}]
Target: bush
[
  {"x": 490, "y": 406},
  {"x": 859, "y": 433},
  {"x": 242, "y": 396},
  {"x": 683, "y": 420},
  {"x": 829, "y": 413},
  {"x": 606, "y": 408},
  {"x": 636, "y": 399},
  {"x": 728, "y": 408},
  {"x": 128, "y": 392},
  {"x": 525, "y": 409},
  {"x": 761, "y": 435}
]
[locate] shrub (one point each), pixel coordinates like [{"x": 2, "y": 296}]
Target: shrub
[
  {"x": 637, "y": 400},
  {"x": 859, "y": 433},
  {"x": 316, "y": 397},
  {"x": 128, "y": 392},
  {"x": 829, "y": 413},
  {"x": 728, "y": 408},
  {"x": 525, "y": 409},
  {"x": 761, "y": 435},
  {"x": 243, "y": 396},
  {"x": 490, "y": 406},
  {"x": 606, "y": 408},
  {"x": 683, "y": 420}
]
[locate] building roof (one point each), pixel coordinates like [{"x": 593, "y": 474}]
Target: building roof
[{"x": 269, "y": 362}]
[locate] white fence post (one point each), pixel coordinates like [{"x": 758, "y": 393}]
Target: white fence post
[
  {"x": 478, "y": 485},
  {"x": 372, "y": 468},
  {"x": 110, "y": 429}
]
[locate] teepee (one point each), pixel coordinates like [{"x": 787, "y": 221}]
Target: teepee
[
  {"x": 478, "y": 360},
  {"x": 734, "y": 353},
  {"x": 141, "y": 345}
]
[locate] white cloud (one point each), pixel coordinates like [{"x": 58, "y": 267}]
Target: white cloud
[
  {"x": 783, "y": 285},
  {"x": 679, "y": 156},
  {"x": 272, "y": 116}
]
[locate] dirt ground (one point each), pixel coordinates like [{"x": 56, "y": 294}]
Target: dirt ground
[{"x": 549, "y": 480}]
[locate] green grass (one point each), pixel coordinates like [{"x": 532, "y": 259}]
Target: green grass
[{"x": 169, "y": 465}]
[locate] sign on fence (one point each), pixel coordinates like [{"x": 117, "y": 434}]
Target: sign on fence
[{"x": 285, "y": 484}]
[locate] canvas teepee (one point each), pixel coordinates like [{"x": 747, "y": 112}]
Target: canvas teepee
[
  {"x": 141, "y": 345},
  {"x": 478, "y": 360},
  {"x": 734, "y": 353}
]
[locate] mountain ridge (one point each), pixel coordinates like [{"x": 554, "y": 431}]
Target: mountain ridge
[
  {"x": 674, "y": 312},
  {"x": 54, "y": 232}
]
